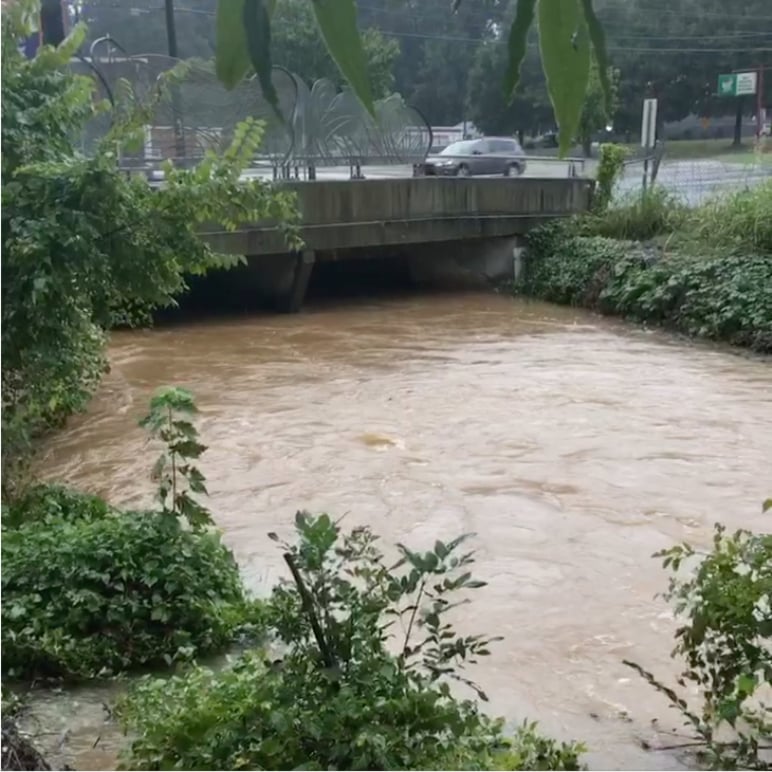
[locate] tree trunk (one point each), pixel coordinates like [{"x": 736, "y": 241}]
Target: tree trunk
[
  {"x": 738, "y": 124},
  {"x": 587, "y": 146}
]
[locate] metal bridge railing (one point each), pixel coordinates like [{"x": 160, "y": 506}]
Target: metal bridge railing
[{"x": 321, "y": 131}]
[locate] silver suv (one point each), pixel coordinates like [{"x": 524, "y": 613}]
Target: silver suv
[{"x": 488, "y": 155}]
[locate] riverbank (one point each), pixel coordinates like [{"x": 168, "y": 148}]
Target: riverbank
[{"x": 704, "y": 272}]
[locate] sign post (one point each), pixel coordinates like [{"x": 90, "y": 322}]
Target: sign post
[
  {"x": 648, "y": 134},
  {"x": 740, "y": 84}
]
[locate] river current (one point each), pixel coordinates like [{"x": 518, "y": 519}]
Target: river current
[{"x": 572, "y": 446}]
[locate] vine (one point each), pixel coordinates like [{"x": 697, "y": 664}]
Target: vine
[{"x": 610, "y": 165}]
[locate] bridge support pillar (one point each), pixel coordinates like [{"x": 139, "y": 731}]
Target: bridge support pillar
[{"x": 304, "y": 264}]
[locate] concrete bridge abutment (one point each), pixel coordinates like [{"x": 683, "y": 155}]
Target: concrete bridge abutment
[
  {"x": 482, "y": 263},
  {"x": 461, "y": 231}
]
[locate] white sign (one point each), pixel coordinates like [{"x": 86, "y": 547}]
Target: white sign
[
  {"x": 649, "y": 123},
  {"x": 746, "y": 83}
]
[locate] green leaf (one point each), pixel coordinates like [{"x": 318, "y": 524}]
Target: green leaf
[
  {"x": 231, "y": 52},
  {"x": 746, "y": 684},
  {"x": 598, "y": 40},
  {"x": 257, "y": 24},
  {"x": 518, "y": 37},
  {"x": 337, "y": 20},
  {"x": 767, "y": 505},
  {"x": 565, "y": 54}
]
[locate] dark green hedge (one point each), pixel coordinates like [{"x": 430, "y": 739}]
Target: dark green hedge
[
  {"x": 89, "y": 590},
  {"x": 722, "y": 297}
]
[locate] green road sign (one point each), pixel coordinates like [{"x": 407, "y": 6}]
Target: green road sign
[
  {"x": 737, "y": 84},
  {"x": 727, "y": 85}
]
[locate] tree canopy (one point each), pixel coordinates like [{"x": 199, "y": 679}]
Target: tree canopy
[{"x": 453, "y": 66}]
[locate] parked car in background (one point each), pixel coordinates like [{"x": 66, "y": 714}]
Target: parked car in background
[{"x": 487, "y": 155}]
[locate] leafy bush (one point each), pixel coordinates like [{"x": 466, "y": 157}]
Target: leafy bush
[
  {"x": 90, "y": 590},
  {"x": 611, "y": 163},
  {"x": 565, "y": 268},
  {"x": 720, "y": 297},
  {"x": 350, "y": 692},
  {"x": 93, "y": 596},
  {"x": 54, "y": 502},
  {"x": 726, "y": 644},
  {"x": 723, "y": 297},
  {"x": 178, "y": 479}
]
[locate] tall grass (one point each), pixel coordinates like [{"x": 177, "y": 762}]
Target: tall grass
[
  {"x": 730, "y": 223},
  {"x": 738, "y": 222},
  {"x": 637, "y": 217}
]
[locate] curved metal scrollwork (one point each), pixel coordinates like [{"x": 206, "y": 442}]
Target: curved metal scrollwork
[{"x": 321, "y": 126}]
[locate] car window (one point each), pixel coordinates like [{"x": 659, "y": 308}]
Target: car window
[
  {"x": 482, "y": 146},
  {"x": 460, "y": 148},
  {"x": 508, "y": 146}
]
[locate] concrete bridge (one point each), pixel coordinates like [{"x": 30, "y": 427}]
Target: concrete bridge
[{"x": 451, "y": 227}]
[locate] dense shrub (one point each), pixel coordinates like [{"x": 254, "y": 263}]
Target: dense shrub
[
  {"x": 86, "y": 596},
  {"x": 88, "y": 589},
  {"x": 720, "y": 296},
  {"x": 725, "y": 642},
  {"x": 347, "y": 694},
  {"x": 565, "y": 268},
  {"x": 43, "y": 502}
]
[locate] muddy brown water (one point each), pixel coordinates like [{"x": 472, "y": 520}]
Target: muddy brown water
[{"x": 573, "y": 446}]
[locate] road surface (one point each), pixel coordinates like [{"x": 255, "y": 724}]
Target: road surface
[{"x": 692, "y": 181}]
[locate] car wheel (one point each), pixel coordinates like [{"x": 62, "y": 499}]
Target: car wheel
[
  {"x": 513, "y": 170},
  {"x": 463, "y": 171}
]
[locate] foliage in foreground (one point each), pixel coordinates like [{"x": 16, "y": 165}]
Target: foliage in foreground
[
  {"x": 725, "y": 642},
  {"x": 82, "y": 239},
  {"x": 363, "y": 683},
  {"x": 725, "y": 297},
  {"x": 570, "y": 36},
  {"x": 91, "y": 590}
]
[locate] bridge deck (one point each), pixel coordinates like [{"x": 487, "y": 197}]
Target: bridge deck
[{"x": 343, "y": 214}]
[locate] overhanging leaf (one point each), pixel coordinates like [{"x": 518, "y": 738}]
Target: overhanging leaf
[
  {"x": 565, "y": 54},
  {"x": 518, "y": 37},
  {"x": 257, "y": 24},
  {"x": 231, "y": 53},
  {"x": 337, "y": 20},
  {"x": 598, "y": 40}
]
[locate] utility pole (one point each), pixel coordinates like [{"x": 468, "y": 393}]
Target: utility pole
[
  {"x": 759, "y": 103},
  {"x": 171, "y": 39},
  {"x": 171, "y": 30}
]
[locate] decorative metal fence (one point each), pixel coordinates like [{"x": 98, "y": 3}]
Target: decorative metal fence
[{"x": 319, "y": 125}]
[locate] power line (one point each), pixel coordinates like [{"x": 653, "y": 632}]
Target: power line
[
  {"x": 619, "y": 48},
  {"x": 624, "y": 6}
]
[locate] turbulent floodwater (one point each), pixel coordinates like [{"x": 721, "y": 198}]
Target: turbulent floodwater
[{"x": 574, "y": 447}]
